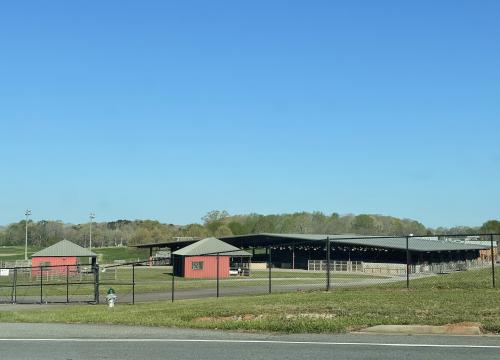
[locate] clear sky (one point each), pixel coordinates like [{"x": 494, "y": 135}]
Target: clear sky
[{"x": 168, "y": 109}]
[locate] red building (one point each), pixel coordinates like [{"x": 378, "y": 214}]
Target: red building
[
  {"x": 60, "y": 258},
  {"x": 200, "y": 259}
]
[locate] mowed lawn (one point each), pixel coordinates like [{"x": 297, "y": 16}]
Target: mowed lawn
[
  {"x": 11, "y": 253},
  {"x": 158, "y": 279},
  {"x": 453, "y": 298},
  {"x": 107, "y": 255}
]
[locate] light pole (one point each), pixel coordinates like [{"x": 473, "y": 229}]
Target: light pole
[
  {"x": 27, "y": 213},
  {"x": 92, "y": 217}
]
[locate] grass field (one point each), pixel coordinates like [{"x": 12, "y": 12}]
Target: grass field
[
  {"x": 158, "y": 279},
  {"x": 110, "y": 254},
  {"x": 106, "y": 255},
  {"x": 472, "y": 279},
  {"x": 9, "y": 253},
  {"x": 439, "y": 300}
]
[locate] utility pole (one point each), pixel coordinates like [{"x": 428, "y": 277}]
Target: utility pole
[
  {"x": 92, "y": 217},
  {"x": 27, "y": 213}
]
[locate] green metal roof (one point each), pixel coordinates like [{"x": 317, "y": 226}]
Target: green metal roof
[
  {"x": 210, "y": 246},
  {"x": 414, "y": 243},
  {"x": 419, "y": 244},
  {"x": 64, "y": 248}
]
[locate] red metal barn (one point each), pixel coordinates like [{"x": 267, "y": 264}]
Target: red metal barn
[
  {"x": 53, "y": 265},
  {"x": 59, "y": 259},
  {"x": 199, "y": 260}
]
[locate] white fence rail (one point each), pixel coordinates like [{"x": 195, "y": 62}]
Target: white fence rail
[{"x": 396, "y": 269}]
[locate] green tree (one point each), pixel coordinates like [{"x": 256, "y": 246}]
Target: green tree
[
  {"x": 222, "y": 231},
  {"x": 491, "y": 226},
  {"x": 363, "y": 224},
  {"x": 237, "y": 228},
  {"x": 195, "y": 230},
  {"x": 214, "y": 215}
]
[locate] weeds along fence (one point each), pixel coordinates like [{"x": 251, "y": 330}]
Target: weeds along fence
[{"x": 329, "y": 263}]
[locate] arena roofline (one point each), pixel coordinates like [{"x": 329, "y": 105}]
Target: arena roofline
[{"x": 431, "y": 243}]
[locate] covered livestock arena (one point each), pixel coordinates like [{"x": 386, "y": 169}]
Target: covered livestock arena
[
  {"x": 261, "y": 264},
  {"x": 304, "y": 251}
]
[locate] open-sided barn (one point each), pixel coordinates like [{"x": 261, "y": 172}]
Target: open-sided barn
[{"x": 297, "y": 250}]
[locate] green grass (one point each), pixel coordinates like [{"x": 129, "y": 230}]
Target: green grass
[
  {"x": 471, "y": 279},
  {"x": 10, "y": 253},
  {"x": 106, "y": 255},
  {"x": 337, "y": 311},
  {"x": 431, "y": 301},
  {"x": 155, "y": 278},
  {"x": 158, "y": 279},
  {"x": 163, "y": 273}
]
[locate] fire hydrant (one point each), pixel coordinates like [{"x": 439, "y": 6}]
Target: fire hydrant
[{"x": 111, "y": 297}]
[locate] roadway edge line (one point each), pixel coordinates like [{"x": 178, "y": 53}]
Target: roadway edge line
[{"x": 278, "y": 342}]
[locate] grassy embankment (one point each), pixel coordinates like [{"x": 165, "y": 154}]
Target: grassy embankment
[
  {"x": 444, "y": 299},
  {"x": 107, "y": 255},
  {"x": 11, "y": 253}
]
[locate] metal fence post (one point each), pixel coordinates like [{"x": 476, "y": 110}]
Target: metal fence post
[
  {"x": 492, "y": 261},
  {"x": 327, "y": 263},
  {"x": 133, "y": 284},
  {"x": 96, "y": 283},
  {"x": 14, "y": 287},
  {"x": 67, "y": 283},
  {"x": 41, "y": 284},
  {"x": 173, "y": 277},
  {"x": 269, "y": 265},
  {"x": 407, "y": 264},
  {"x": 217, "y": 274}
]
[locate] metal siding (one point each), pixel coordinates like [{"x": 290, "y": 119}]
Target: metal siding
[
  {"x": 209, "y": 267},
  {"x": 58, "y": 265}
]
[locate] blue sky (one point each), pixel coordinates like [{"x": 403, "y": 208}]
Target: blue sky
[{"x": 168, "y": 109}]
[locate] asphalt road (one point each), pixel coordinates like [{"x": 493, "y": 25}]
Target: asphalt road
[{"x": 55, "y": 341}]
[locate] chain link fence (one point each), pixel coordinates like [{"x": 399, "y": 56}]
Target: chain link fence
[
  {"x": 330, "y": 264},
  {"x": 48, "y": 284}
]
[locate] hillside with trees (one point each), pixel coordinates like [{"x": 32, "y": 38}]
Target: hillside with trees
[{"x": 220, "y": 223}]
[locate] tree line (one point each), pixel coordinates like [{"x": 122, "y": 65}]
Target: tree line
[{"x": 219, "y": 224}]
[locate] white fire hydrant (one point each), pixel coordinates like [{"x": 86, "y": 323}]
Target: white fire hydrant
[{"x": 111, "y": 298}]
